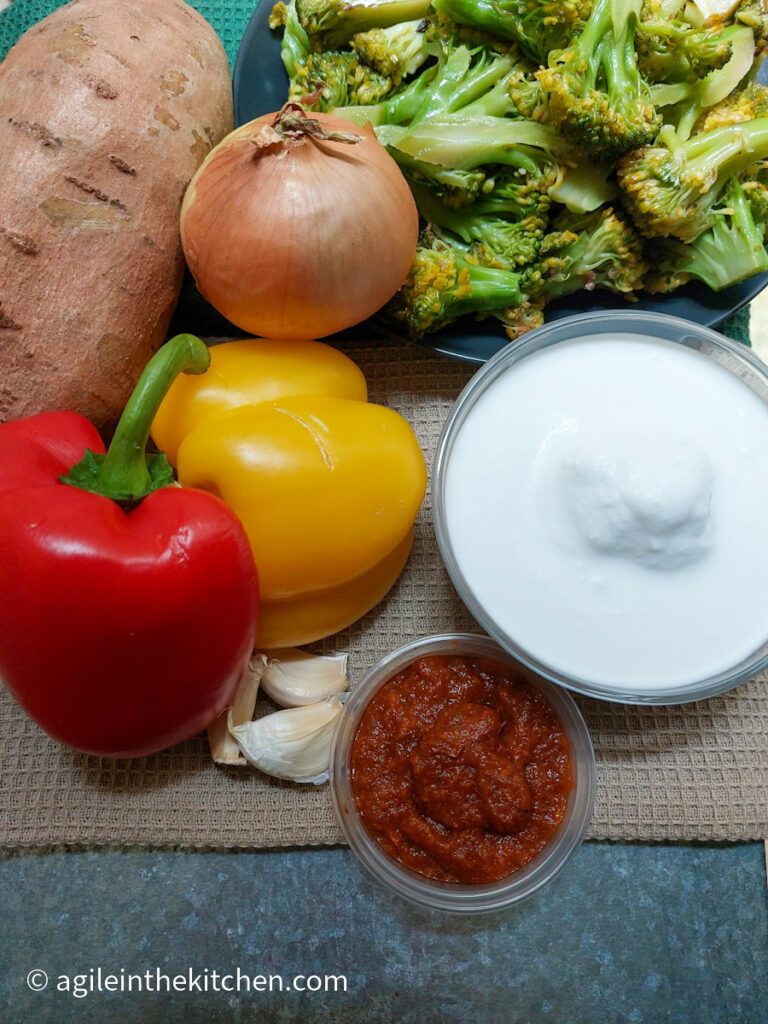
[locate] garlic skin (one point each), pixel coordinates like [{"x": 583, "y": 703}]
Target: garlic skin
[
  {"x": 294, "y": 744},
  {"x": 224, "y": 749},
  {"x": 294, "y": 678}
]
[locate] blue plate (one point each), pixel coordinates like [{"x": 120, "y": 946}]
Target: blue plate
[{"x": 261, "y": 86}]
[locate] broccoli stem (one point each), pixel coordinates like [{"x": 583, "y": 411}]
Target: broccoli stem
[
  {"x": 465, "y": 144},
  {"x": 455, "y": 87},
  {"x": 295, "y": 46},
  {"x": 725, "y": 151},
  {"x": 492, "y": 288},
  {"x": 398, "y": 109},
  {"x": 332, "y": 25}
]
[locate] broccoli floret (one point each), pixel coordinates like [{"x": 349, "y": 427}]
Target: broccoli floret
[
  {"x": 462, "y": 124},
  {"x": 754, "y": 14},
  {"x": 596, "y": 94},
  {"x": 499, "y": 232},
  {"x": 295, "y": 47},
  {"x": 674, "y": 51},
  {"x": 754, "y": 183},
  {"x": 398, "y": 51},
  {"x": 684, "y": 102},
  {"x": 464, "y": 76},
  {"x": 330, "y": 80},
  {"x": 675, "y": 191},
  {"x": 527, "y": 97},
  {"x": 400, "y": 107},
  {"x": 512, "y": 193},
  {"x": 538, "y": 26},
  {"x": 596, "y": 250},
  {"x": 745, "y": 104},
  {"x": 448, "y": 133},
  {"x": 453, "y": 187},
  {"x": 332, "y": 23},
  {"x": 662, "y": 10},
  {"x": 730, "y": 251},
  {"x": 519, "y": 320},
  {"x": 278, "y": 16},
  {"x": 445, "y": 282},
  {"x": 453, "y": 34},
  {"x": 587, "y": 251},
  {"x": 461, "y": 76}
]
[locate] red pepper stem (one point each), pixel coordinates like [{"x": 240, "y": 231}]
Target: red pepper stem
[{"x": 124, "y": 473}]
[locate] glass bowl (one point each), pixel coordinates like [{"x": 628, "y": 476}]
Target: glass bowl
[
  {"x": 735, "y": 358},
  {"x": 448, "y": 896}
]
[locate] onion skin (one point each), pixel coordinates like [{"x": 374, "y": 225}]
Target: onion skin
[{"x": 298, "y": 237}]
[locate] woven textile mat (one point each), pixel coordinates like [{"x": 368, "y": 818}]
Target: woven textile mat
[{"x": 696, "y": 771}]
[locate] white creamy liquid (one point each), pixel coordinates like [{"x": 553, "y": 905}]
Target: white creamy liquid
[{"x": 606, "y": 502}]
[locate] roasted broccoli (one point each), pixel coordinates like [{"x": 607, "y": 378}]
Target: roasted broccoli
[
  {"x": 445, "y": 282},
  {"x": 330, "y": 24},
  {"x": 596, "y": 95},
  {"x": 675, "y": 191},
  {"x": 728, "y": 252},
  {"x": 539, "y": 26}
]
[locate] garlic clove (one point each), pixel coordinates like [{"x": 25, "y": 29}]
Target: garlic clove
[
  {"x": 294, "y": 744},
  {"x": 224, "y": 748},
  {"x": 294, "y": 678}
]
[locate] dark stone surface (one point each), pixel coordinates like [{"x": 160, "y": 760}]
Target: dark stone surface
[{"x": 627, "y": 934}]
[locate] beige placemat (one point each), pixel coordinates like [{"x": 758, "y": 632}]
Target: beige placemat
[{"x": 695, "y": 772}]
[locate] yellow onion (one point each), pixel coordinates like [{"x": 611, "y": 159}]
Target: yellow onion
[{"x": 294, "y": 227}]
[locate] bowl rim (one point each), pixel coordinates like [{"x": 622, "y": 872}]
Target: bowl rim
[
  {"x": 753, "y": 373},
  {"x": 463, "y": 898}
]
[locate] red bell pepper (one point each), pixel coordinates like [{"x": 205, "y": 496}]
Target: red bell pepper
[{"x": 127, "y": 605}]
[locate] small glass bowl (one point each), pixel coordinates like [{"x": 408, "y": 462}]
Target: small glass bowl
[
  {"x": 454, "y": 896},
  {"x": 735, "y": 358}
]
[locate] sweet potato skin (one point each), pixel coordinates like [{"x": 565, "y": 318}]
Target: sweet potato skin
[{"x": 107, "y": 108}]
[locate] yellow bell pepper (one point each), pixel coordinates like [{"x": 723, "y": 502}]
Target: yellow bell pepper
[
  {"x": 310, "y": 617},
  {"x": 326, "y": 485},
  {"x": 251, "y": 371}
]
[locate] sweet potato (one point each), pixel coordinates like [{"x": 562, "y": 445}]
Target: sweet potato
[{"x": 107, "y": 108}]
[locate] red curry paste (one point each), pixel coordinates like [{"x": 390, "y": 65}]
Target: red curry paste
[{"x": 460, "y": 769}]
